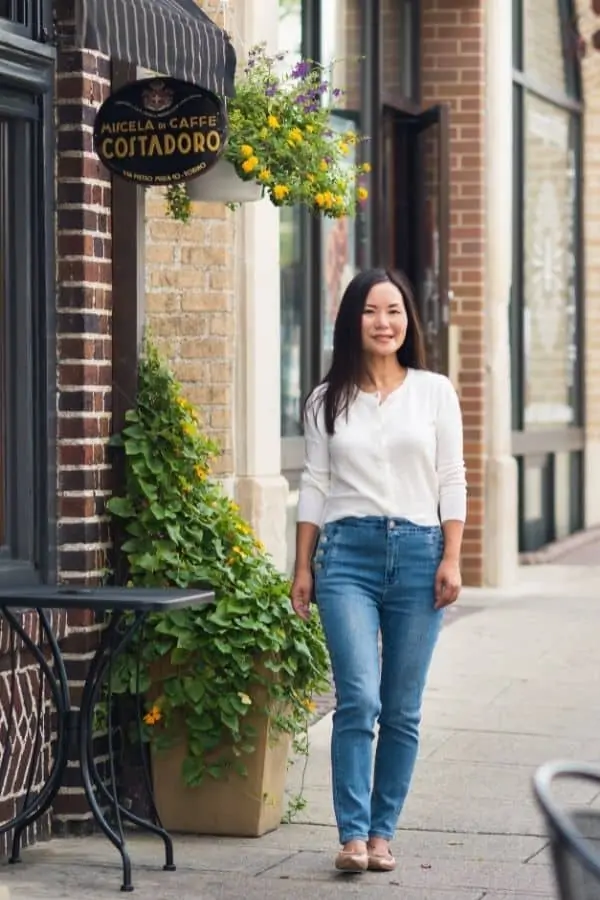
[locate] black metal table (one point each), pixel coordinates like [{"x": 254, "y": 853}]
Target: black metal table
[{"x": 127, "y": 610}]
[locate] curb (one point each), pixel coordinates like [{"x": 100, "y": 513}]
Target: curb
[{"x": 555, "y": 551}]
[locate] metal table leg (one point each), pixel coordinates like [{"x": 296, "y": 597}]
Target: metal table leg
[{"x": 115, "y": 639}]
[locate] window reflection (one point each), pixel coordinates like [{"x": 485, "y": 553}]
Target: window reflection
[
  {"x": 290, "y": 250},
  {"x": 550, "y": 320}
]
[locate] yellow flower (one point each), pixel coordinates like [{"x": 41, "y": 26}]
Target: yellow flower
[
  {"x": 190, "y": 429},
  {"x": 323, "y": 165},
  {"x": 309, "y": 705},
  {"x": 233, "y": 506},
  {"x": 250, "y": 164},
  {"x": 309, "y": 129},
  {"x": 310, "y": 177},
  {"x": 153, "y": 716},
  {"x": 273, "y": 122},
  {"x": 320, "y": 199},
  {"x": 350, "y": 137},
  {"x": 295, "y": 136},
  {"x": 238, "y": 550},
  {"x": 200, "y": 471},
  {"x": 246, "y": 150},
  {"x": 281, "y": 191},
  {"x": 366, "y": 167},
  {"x": 182, "y": 402},
  {"x": 328, "y": 198},
  {"x": 362, "y": 193},
  {"x": 344, "y": 148},
  {"x": 264, "y": 175},
  {"x": 245, "y": 699},
  {"x": 259, "y": 546}
]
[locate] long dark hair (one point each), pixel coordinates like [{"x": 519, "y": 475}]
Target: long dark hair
[{"x": 347, "y": 364}]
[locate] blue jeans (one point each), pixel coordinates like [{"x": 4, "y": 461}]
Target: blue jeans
[{"x": 374, "y": 576}]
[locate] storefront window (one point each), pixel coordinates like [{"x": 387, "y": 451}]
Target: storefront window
[
  {"x": 290, "y": 251},
  {"x": 341, "y": 37},
  {"x": 318, "y": 258},
  {"x": 543, "y": 44},
  {"x": 550, "y": 309},
  {"x": 15, "y": 11},
  {"x": 546, "y": 335}
]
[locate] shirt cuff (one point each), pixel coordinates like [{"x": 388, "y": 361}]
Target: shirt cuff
[
  {"x": 453, "y": 504},
  {"x": 311, "y": 506}
]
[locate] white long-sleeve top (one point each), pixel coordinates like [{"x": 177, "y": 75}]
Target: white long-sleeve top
[{"x": 401, "y": 458}]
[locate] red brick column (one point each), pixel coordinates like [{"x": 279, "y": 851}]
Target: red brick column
[
  {"x": 84, "y": 314},
  {"x": 453, "y": 73}
]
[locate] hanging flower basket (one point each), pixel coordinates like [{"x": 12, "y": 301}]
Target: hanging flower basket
[
  {"x": 222, "y": 184},
  {"x": 282, "y": 144}
]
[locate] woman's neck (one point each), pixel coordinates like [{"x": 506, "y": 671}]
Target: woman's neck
[{"x": 382, "y": 374}]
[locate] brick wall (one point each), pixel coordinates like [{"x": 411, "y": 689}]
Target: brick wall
[
  {"x": 190, "y": 272},
  {"x": 25, "y": 714},
  {"x": 84, "y": 278},
  {"x": 83, "y": 307},
  {"x": 453, "y": 72}
]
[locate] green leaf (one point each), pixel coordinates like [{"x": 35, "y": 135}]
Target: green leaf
[
  {"x": 195, "y": 689},
  {"x": 121, "y": 507},
  {"x": 193, "y": 770},
  {"x": 231, "y": 721},
  {"x": 179, "y": 656}
]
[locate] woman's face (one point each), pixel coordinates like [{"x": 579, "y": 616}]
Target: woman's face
[{"x": 384, "y": 320}]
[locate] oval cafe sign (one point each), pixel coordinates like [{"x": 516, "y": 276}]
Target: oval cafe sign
[{"x": 159, "y": 131}]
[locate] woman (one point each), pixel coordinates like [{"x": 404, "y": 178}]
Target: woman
[{"x": 383, "y": 468}]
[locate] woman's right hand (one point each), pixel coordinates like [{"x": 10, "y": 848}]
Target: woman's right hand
[{"x": 302, "y": 588}]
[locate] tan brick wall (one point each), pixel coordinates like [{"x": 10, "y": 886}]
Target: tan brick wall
[
  {"x": 452, "y": 47},
  {"x": 591, "y": 180},
  {"x": 190, "y": 278}
]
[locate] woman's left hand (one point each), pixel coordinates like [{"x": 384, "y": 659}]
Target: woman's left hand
[{"x": 448, "y": 583}]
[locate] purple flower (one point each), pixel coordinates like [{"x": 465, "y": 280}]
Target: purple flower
[
  {"x": 337, "y": 92},
  {"x": 271, "y": 89},
  {"x": 301, "y": 69}
]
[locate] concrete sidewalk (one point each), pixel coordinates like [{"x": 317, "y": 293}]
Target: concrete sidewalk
[{"x": 513, "y": 685}]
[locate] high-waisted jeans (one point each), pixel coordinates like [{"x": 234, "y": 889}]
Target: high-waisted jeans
[{"x": 376, "y": 575}]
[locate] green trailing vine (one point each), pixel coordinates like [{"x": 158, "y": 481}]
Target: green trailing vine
[
  {"x": 179, "y": 205},
  {"x": 204, "y": 670}
]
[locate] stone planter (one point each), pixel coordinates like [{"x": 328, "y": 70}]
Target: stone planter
[
  {"x": 234, "y": 805},
  {"x": 221, "y": 184}
]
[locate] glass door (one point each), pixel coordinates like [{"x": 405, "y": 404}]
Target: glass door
[{"x": 416, "y": 215}]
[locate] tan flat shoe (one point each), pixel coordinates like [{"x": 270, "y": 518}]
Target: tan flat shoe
[
  {"x": 352, "y": 861},
  {"x": 381, "y": 862}
]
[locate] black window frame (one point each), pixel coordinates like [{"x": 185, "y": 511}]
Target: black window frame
[
  {"x": 539, "y": 448},
  {"x": 27, "y": 70}
]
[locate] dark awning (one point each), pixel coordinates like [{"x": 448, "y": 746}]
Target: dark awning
[{"x": 170, "y": 37}]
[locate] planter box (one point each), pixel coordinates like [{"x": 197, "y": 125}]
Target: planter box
[
  {"x": 221, "y": 184},
  {"x": 233, "y": 806}
]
